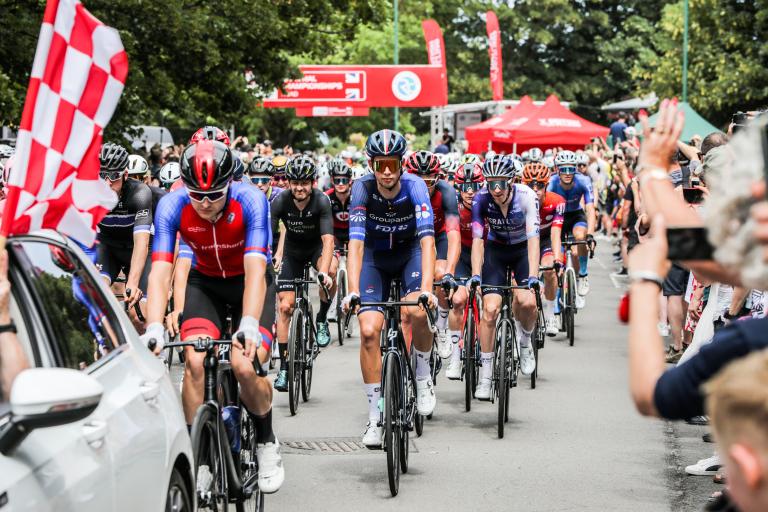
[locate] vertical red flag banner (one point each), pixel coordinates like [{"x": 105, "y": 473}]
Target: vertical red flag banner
[
  {"x": 433, "y": 35},
  {"x": 76, "y": 81},
  {"x": 494, "y": 52}
]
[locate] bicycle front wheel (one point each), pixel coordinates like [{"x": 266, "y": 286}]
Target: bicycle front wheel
[
  {"x": 500, "y": 367},
  {"x": 210, "y": 472},
  {"x": 571, "y": 307},
  {"x": 295, "y": 358},
  {"x": 392, "y": 424},
  {"x": 340, "y": 316},
  {"x": 310, "y": 353},
  {"x": 249, "y": 469},
  {"x": 469, "y": 361}
]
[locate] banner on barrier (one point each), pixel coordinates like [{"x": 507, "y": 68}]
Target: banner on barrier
[{"x": 332, "y": 111}]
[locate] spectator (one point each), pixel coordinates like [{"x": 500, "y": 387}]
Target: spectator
[
  {"x": 447, "y": 139},
  {"x": 617, "y": 128},
  {"x": 12, "y": 357}
]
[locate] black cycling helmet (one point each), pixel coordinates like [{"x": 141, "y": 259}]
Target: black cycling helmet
[
  {"x": 338, "y": 167},
  {"x": 206, "y": 165},
  {"x": 499, "y": 166},
  {"x": 423, "y": 163},
  {"x": 237, "y": 168},
  {"x": 113, "y": 158},
  {"x": 261, "y": 165},
  {"x": 301, "y": 168},
  {"x": 385, "y": 143}
]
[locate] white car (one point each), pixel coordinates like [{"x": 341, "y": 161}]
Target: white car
[{"x": 95, "y": 423}]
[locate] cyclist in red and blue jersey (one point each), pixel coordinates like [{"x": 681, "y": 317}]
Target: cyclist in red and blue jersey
[
  {"x": 339, "y": 194},
  {"x": 511, "y": 211},
  {"x": 391, "y": 234},
  {"x": 227, "y": 227},
  {"x": 576, "y": 188},
  {"x": 447, "y": 238},
  {"x": 551, "y": 210}
]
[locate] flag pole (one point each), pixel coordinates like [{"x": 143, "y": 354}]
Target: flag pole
[
  {"x": 397, "y": 58},
  {"x": 685, "y": 51}
]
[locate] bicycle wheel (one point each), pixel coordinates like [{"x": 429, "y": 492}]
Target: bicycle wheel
[
  {"x": 407, "y": 397},
  {"x": 535, "y": 344},
  {"x": 295, "y": 358},
  {"x": 469, "y": 360},
  {"x": 500, "y": 368},
  {"x": 571, "y": 308},
  {"x": 513, "y": 366},
  {"x": 210, "y": 471},
  {"x": 310, "y": 356},
  {"x": 340, "y": 316},
  {"x": 392, "y": 425},
  {"x": 249, "y": 468}
]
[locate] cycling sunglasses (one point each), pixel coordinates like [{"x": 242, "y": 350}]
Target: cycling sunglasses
[
  {"x": 567, "y": 170},
  {"x": 380, "y": 164},
  {"x": 536, "y": 184},
  {"x": 341, "y": 181},
  {"x": 110, "y": 175},
  {"x": 469, "y": 187},
  {"x": 213, "y": 195},
  {"x": 497, "y": 185},
  {"x": 261, "y": 180},
  {"x": 430, "y": 181}
]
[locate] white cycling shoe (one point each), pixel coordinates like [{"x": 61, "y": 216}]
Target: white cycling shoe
[
  {"x": 453, "y": 371},
  {"x": 271, "y": 471},
  {"x": 551, "y": 328},
  {"x": 527, "y": 360},
  {"x": 580, "y": 301},
  {"x": 483, "y": 390},
  {"x": 444, "y": 343},
  {"x": 372, "y": 435},
  {"x": 425, "y": 396},
  {"x": 582, "y": 285}
]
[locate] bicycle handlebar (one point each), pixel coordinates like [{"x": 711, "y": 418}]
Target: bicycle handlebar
[
  {"x": 206, "y": 344},
  {"x": 422, "y": 302},
  {"x": 136, "y": 307}
]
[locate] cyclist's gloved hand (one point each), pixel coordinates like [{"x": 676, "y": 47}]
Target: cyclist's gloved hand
[
  {"x": 474, "y": 282},
  {"x": 249, "y": 328},
  {"x": 324, "y": 279},
  {"x": 558, "y": 266},
  {"x": 350, "y": 303},
  {"x": 448, "y": 282},
  {"x": 534, "y": 283},
  {"x": 429, "y": 298},
  {"x": 154, "y": 337}
]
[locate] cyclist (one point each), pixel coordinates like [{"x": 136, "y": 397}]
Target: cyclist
[
  {"x": 281, "y": 164},
  {"x": 308, "y": 223},
  {"x": 551, "y": 210},
  {"x": 391, "y": 234},
  {"x": 261, "y": 172},
  {"x": 226, "y": 226},
  {"x": 447, "y": 238},
  {"x": 575, "y": 187},
  {"x": 169, "y": 174},
  {"x": 339, "y": 193},
  {"x": 512, "y": 214},
  {"x": 535, "y": 155},
  {"x": 469, "y": 180},
  {"x": 124, "y": 232}
]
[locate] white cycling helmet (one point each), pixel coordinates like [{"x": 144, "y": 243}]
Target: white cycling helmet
[
  {"x": 137, "y": 165},
  {"x": 566, "y": 159},
  {"x": 169, "y": 173},
  {"x": 535, "y": 155},
  {"x": 359, "y": 171},
  {"x": 549, "y": 161},
  {"x": 525, "y": 156},
  {"x": 582, "y": 159}
]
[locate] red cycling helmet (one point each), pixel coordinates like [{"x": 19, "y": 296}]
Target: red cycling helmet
[
  {"x": 210, "y": 133},
  {"x": 469, "y": 173},
  {"x": 423, "y": 163},
  {"x": 206, "y": 165}
]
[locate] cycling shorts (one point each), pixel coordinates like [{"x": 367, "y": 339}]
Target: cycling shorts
[
  {"x": 545, "y": 242},
  {"x": 268, "y": 312},
  {"x": 441, "y": 245},
  {"x": 464, "y": 265},
  {"x": 498, "y": 258},
  {"x": 293, "y": 266},
  {"x": 113, "y": 259},
  {"x": 380, "y": 267},
  {"x": 572, "y": 220}
]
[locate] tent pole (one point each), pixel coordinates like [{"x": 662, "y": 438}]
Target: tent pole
[{"x": 514, "y": 148}]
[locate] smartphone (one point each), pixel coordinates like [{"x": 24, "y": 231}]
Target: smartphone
[
  {"x": 693, "y": 195},
  {"x": 688, "y": 244}
]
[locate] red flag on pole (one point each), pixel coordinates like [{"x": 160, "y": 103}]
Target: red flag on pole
[
  {"x": 494, "y": 51},
  {"x": 436, "y": 48},
  {"x": 77, "y": 78}
]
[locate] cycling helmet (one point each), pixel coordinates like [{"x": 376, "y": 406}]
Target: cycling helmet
[
  {"x": 169, "y": 173},
  {"x": 566, "y": 159},
  {"x": 237, "y": 168},
  {"x": 423, "y": 163},
  {"x": 261, "y": 165},
  {"x": 549, "y": 161},
  {"x": 518, "y": 165},
  {"x": 499, "y": 166},
  {"x": 470, "y": 158},
  {"x": 113, "y": 158},
  {"x": 469, "y": 173},
  {"x": 301, "y": 168},
  {"x": 6, "y": 151},
  {"x": 525, "y": 157},
  {"x": 535, "y": 155},
  {"x": 137, "y": 165},
  {"x": 206, "y": 165},
  {"x": 359, "y": 171},
  {"x": 385, "y": 143},
  {"x": 338, "y": 167},
  {"x": 281, "y": 163},
  {"x": 582, "y": 159},
  {"x": 210, "y": 133},
  {"x": 535, "y": 171},
  {"x": 515, "y": 156}
]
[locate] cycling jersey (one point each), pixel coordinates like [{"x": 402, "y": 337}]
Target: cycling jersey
[
  {"x": 386, "y": 223},
  {"x": 133, "y": 214},
  {"x": 340, "y": 211},
  {"x": 520, "y": 223},
  {"x": 243, "y": 229},
  {"x": 273, "y": 192},
  {"x": 445, "y": 207},
  {"x": 157, "y": 194},
  {"x": 582, "y": 187},
  {"x": 551, "y": 212},
  {"x": 465, "y": 225},
  {"x": 303, "y": 227}
]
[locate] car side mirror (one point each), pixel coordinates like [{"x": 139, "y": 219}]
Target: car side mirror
[{"x": 47, "y": 397}]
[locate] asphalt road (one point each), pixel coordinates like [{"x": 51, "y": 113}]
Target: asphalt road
[{"x": 574, "y": 443}]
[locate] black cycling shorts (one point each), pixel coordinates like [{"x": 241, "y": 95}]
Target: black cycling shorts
[
  {"x": 572, "y": 220},
  {"x": 464, "y": 265},
  {"x": 113, "y": 259},
  {"x": 293, "y": 266},
  {"x": 500, "y": 257}
]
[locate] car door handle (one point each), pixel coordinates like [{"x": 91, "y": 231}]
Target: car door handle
[
  {"x": 94, "y": 432},
  {"x": 150, "y": 390}
]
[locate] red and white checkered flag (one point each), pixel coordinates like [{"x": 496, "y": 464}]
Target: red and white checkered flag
[{"x": 77, "y": 78}]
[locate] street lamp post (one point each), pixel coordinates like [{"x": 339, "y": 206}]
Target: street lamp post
[
  {"x": 396, "y": 59},
  {"x": 685, "y": 50}
]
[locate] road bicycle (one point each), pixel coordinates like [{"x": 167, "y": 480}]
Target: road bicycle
[
  {"x": 342, "y": 321},
  {"x": 568, "y": 292},
  {"x": 470, "y": 353}
]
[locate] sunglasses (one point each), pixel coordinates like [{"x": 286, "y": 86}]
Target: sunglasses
[
  {"x": 537, "y": 184},
  {"x": 261, "y": 180},
  {"x": 469, "y": 187},
  {"x": 110, "y": 175},
  {"x": 213, "y": 195},
  {"x": 567, "y": 170},
  {"x": 386, "y": 163},
  {"x": 430, "y": 181},
  {"x": 498, "y": 185},
  {"x": 341, "y": 181}
]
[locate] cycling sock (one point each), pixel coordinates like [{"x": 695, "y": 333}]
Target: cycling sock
[
  {"x": 525, "y": 338},
  {"x": 423, "y": 370},
  {"x": 283, "y": 349},
  {"x": 263, "y": 425},
  {"x": 373, "y": 392},
  {"x": 455, "y": 351},
  {"x": 442, "y": 318},
  {"x": 549, "y": 308},
  {"x": 557, "y": 302},
  {"x": 322, "y": 311},
  {"x": 486, "y": 362},
  {"x": 583, "y": 261}
]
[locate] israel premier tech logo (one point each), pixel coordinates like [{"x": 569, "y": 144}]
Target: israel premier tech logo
[{"x": 406, "y": 86}]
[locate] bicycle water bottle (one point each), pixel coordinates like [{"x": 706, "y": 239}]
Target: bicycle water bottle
[{"x": 231, "y": 417}]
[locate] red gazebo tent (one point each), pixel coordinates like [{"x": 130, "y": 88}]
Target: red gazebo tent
[{"x": 499, "y": 128}]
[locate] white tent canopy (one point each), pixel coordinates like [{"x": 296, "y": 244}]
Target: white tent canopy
[{"x": 633, "y": 103}]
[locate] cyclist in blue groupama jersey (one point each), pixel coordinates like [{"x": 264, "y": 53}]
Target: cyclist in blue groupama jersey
[{"x": 391, "y": 234}]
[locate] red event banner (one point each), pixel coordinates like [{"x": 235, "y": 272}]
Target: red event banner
[
  {"x": 364, "y": 86},
  {"x": 435, "y": 44},
  {"x": 332, "y": 111},
  {"x": 494, "y": 52}
]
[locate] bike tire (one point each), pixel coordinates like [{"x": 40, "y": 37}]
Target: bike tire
[
  {"x": 392, "y": 426},
  {"x": 340, "y": 316},
  {"x": 406, "y": 397},
  {"x": 249, "y": 469},
  {"x": 295, "y": 359},
  {"x": 208, "y": 451},
  {"x": 571, "y": 309},
  {"x": 535, "y": 343},
  {"x": 310, "y": 353},
  {"x": 513, "y": 367},
  {"x": 500, "y": 366},
  {"x": 469, "y": 361}
]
